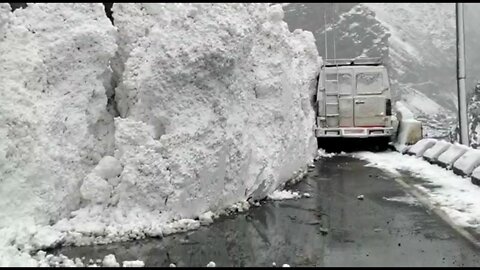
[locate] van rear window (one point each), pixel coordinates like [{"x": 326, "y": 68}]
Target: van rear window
[
  {"x": 369, "y": 82},
  {"x": 344, "y": 83}
]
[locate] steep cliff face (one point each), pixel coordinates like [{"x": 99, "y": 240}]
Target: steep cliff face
[{"x": 213, "y": 107}]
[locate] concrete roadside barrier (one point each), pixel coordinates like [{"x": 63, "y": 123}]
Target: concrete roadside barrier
[
  {"x": 421, "y": 146},
  {"x": 449, "y": 157},
  {"x": 432, "y": 154},
  {"x": 466, "y": 163},
  {"x": 475, "y": 178}
]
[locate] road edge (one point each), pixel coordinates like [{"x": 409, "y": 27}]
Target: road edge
[{"x": 422, "y": 196}]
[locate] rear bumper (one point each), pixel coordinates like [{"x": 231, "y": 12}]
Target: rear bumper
[{"x": 355, "y": 132}]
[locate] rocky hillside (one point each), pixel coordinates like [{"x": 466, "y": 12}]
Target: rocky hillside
[{"x": 417, "y": 42}]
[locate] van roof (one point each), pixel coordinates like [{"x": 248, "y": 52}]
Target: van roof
[
  {"x": 362, "y": 61},
  {"x": 356, "y": 68}
]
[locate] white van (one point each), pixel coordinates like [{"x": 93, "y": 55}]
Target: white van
[{"x": 354, "y": 100}]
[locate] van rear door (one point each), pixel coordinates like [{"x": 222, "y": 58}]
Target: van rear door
[
  {"x": 339, "y": 97},
  {"x": 370, "y": 102}
]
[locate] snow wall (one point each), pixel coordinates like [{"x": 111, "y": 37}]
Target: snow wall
[{"x": 213, "y": 106}]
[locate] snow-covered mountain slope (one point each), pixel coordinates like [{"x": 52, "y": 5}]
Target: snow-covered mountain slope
[
  {"x": 215, "y": 104},
  {"x": 422, "y": 46},
  {"x": 416, "y": 42}
]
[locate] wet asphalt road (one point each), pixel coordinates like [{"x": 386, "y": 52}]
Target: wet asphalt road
[{"x": 331, "y": 228}]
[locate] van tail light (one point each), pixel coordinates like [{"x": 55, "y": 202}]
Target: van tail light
[{"x": 388, "y": 107}]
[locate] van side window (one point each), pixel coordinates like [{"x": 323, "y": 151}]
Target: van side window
[
  {"x": 344, "y": 83},
  {"x": 369, "y": 82}
]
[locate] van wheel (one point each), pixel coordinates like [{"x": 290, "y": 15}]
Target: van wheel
[{"x": 381, "y": 144}]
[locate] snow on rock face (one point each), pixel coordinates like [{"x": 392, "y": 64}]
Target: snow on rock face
[
  {"x": 215, "y": 105},
  {"x": 53, "y": 123}
]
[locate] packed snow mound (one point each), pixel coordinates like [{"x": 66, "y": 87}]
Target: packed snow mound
[
  {"x": 136, "y": 263},
  {"x": 54, "y": 126},
  {"x": 215, "y": 106},
  {"x": 278, "y": 195}
]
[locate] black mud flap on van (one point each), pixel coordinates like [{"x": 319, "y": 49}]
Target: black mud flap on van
[{"x": 337, "y": 145}]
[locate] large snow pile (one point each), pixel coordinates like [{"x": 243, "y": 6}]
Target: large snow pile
[
  {"x": 54, "y": 126},
  {"x": 215, "y": 104}
]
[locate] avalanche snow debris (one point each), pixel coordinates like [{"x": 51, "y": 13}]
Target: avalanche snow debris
[
  {"x": 206, "y": 218},
  {"x": 283, "y": 195},
  {"x": 215, "y": 108},
  {"x": 133, "y": 263},
  {"x": 53, "y": 122},
  {"x": 322, "y": 153},
  {"x": 108, "y": 168},
  {"x": 110, "y": 261},
  {"x": 211, "y": 264}
]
